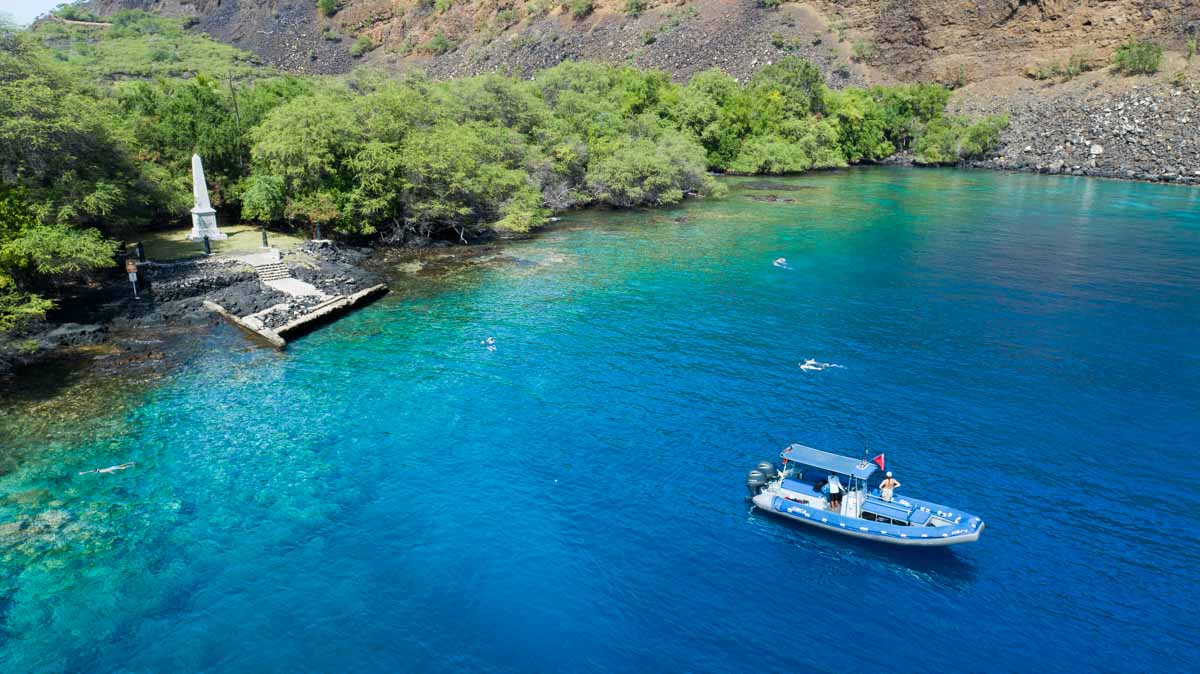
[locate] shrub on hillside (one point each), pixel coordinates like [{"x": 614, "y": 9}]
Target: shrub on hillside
[
  {"x": 1138, "y": 57},
  {"x": 635, "y": 7},
  {"x": 862, "y": 51},
  {"x": 74, "y": 12},
  {"x": 506, "y": 18},
  {"x": 580, "y": 8},
  {"x": 438, "y": 44},
  {"x": 362, "y": 45},
  {"x": 769, "y": 4},
  {"x": 328, "y": 7},
  {"x": 1080, "y": 62}
]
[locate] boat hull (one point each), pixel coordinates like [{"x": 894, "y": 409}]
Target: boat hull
[{"x": 866, "y": 530}]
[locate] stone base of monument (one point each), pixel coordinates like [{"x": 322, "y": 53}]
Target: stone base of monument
[{"x": 204, "y": 224}]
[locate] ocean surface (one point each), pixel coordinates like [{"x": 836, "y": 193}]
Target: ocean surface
[{"x": 391, "y": 495}]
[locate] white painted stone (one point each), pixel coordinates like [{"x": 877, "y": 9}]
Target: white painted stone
[
  {"x": 294, "y": 287},
  {"x": 258, "y": 259}
]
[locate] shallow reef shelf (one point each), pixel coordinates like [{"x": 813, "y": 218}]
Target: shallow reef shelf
[{"x": 320, "y": 315}]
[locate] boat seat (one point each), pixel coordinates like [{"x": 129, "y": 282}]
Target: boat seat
[
  {"x": 798, "y": 486},
  {"x": 888, "y": 509},
  {"x": 919, "y": 517}
]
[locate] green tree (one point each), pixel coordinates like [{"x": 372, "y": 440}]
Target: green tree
[
  {"x": 465, "y": 177},
  {"x": 862, "y": 125},
  {"x": 32, "y": 250},
  {"x": 948, "y": 140},
  {"x": 797, "y": 80},
  {"x": 907, "y": 108},
  {"x": 305, "y": 144},
  {"x": 263, "y": 198},
  {"x": 643, "y": 172},
  {"x": 65, "y": 170}
]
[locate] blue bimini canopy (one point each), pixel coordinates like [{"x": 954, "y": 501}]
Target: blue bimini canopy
[{"x": 834, "y": 463}]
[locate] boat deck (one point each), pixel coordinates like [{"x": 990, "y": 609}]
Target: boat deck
[{"x": 795, "y": 490}]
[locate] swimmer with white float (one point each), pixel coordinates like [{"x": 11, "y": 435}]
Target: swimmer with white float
[
  {"x": 781, "y": 263},
  {"x": 110, "y": 469},
  {"x": 490, "y": 343},
  {"x": 811, "y": 365}
]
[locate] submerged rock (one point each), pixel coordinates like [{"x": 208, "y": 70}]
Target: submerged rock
[
  {"x": 29, "y": 496},
  {"x": 51, "y": 519}
]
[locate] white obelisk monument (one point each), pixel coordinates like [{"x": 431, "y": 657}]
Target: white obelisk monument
[{"x": 204, "y": 217}]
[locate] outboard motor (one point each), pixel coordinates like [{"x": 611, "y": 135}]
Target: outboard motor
[
  {"x": 768, "y": 470},
  {"x": 755, "y": 481}
]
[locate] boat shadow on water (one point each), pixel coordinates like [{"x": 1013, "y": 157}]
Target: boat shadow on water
[{"x": 944, "y": 566}]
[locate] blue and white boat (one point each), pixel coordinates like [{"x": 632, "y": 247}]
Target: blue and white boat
[{"x": 800, "y": 491}]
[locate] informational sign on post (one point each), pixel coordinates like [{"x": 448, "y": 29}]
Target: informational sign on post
[{"x": 131, "y": 269}]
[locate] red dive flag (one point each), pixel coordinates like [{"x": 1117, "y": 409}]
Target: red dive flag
[{"x": 879, "y": 460}]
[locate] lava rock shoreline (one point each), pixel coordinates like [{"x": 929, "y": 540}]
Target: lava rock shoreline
[{"x": 105, "y": 323}]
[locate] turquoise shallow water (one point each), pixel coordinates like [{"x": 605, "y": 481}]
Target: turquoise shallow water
[{"x": 390, "y": 495}]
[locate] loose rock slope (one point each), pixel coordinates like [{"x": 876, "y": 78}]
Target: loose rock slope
[{"x": 1100, "y": 124}]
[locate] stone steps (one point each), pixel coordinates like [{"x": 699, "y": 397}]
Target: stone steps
[{"x": 272, "y": 272}]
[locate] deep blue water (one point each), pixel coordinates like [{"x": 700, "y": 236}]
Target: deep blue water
[{"x": 388, "y": 495}]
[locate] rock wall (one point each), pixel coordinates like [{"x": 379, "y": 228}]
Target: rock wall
[{"x": 949, "y": 40}]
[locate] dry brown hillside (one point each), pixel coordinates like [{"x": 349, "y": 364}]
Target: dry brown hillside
[{"x": 946, "y": 40}]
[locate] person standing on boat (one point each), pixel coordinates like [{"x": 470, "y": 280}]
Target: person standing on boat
[
  {"x": 835, "y": 493},
  {"x": 888, "y": 486}
]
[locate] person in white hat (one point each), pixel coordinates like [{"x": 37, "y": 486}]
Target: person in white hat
[{"x": 888, "y": 486}]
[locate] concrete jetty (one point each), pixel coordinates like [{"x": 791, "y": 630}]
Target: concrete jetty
[
  {"x": 317, "y": 316},
  {"x": 259, "y": 333}
]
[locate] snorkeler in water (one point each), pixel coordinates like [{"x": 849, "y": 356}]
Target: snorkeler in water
[
  {"x": 811, "y": 365},
  {"x": 781, "y": 263},
  {"x": 110, "y": 469}
]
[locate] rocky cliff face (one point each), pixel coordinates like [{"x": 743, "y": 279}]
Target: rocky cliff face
[
  {"x": 953, "y": 41},
  {"x": 949, "y": 39},
  {"x": 1099, "y": 123}
]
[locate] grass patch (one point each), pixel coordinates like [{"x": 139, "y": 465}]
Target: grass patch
[
  {"x": 140, "y": 45},
  {"x": 173, "y": 244},
  {"x": 1080, "y": 61}
]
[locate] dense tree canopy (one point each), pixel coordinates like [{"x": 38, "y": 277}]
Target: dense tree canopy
[{"x": 92, "y": 148}]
